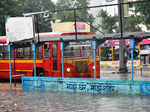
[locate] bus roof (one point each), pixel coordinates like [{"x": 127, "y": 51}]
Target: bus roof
[
  {"x": 82, "y": 36},
  {"x": 54, "y": 34},
  {"x": 3, "y": 39},
  {"x": 144, "y": 42}
]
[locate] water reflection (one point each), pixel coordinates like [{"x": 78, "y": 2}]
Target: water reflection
[
  {"x": 124, "y": 76},
  {"x": 19, "y": 101}
]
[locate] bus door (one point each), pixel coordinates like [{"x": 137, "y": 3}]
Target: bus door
[
  {"x": 55, "y": 59},
  {"x": 47, "y": 62}
]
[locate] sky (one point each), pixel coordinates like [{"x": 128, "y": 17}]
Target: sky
[{"x": 54, "y": 1}]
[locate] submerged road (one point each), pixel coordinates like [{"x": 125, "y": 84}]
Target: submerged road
[
  {"x": 113, "y": 74},
  {"x": 139, "y": 74}
]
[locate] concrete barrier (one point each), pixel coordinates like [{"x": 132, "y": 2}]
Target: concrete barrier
[{"x": 98, "y": 86}]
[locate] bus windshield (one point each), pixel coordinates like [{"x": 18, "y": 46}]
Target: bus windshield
[{"x": 77, "y": 50}]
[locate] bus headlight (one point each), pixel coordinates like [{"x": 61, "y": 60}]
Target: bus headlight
[
  {"x": 68, "y": 69},
  {"x": 93, "y": 67}
]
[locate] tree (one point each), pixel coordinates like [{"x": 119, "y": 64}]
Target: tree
[
  {"x": 143, "y": 9},
  {"x": 70, "y": 15},
  {"x": 7, "y": 7},
  {"x": 132, "y": 23},
  {"x": 109, "y": 23},
  {"x": 14, "y": 8},
  {"x": 37, "y": 6}
]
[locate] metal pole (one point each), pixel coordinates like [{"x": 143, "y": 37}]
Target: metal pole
[
  {"x": 123, "y": 67},
  {"x": 10, "y": 76},
  {"x": 132, "y": 58},
  {"x": 34, "y": 46},
  {"x": 37, "y": 26},
  {"x": 94, "y": 54},
  {"x": 62, "y": 57},
  {"x": 34, "y": 53},
  {"x": 75, "y": 23}
]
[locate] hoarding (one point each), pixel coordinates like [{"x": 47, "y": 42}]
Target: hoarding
[
  {"x": 19, "y": 28},
  {"x": 70, "y": 27}
]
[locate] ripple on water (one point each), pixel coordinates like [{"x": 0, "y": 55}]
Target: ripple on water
[{"x": 18, "y": 101}]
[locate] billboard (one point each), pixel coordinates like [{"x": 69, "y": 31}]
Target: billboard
[
  {"x": 70, "y": 27},
  {"x": 19, "y": 28}
]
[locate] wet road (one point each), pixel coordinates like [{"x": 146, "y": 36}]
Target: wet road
[
  {"x": 18, "y": 101},
  {"x": 42, "y": 101}
]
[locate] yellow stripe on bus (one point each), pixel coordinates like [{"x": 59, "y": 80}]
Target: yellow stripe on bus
[
  {"x": 5, "y": 70},
  {"x": 24, "y": 70},
  {"x": 21, "y": 61}
]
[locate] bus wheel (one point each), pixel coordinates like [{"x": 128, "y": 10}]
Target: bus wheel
[{"x": 40, "y": 72}]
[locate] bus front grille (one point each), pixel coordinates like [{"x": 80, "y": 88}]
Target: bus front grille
[{"x": 81, "y": 66}]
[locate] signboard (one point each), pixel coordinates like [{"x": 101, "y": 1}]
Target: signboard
[
  {"x": 19, "y": 28},
  {"x": 70, "y": 27},
  {"x": 80, "y": 26},
  {"x": 116, "y": 42},
  {"x": 145, "y": 51}
]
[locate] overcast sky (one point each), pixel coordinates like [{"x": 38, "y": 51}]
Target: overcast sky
[{"x": 54, "y": 1}]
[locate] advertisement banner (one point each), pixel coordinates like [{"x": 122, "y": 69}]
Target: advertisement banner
[{"x": 19, "y": 28}]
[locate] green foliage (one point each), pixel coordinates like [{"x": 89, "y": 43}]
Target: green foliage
[
  {"x": 70, "y": 15},
  {"x": 37, "y": 6},
  {"x": 14, "y": 8},
  {"x": 2, "y": 26},
  {"x": 144, "y": 10},
  {"x": 7, "y": 7},
  {"x": 109, "y": 23},
  {"x": 131, "y": 24}
]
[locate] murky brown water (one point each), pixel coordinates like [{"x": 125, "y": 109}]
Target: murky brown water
[
  {"x": 18, "y": 101},
  {"x": 43, "y": 101}
]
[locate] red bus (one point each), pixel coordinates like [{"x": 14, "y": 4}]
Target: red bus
[{"x": 78, "y": 59}]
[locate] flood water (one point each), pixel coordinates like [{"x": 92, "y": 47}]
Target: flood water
[{"x": 43, "y": 101}]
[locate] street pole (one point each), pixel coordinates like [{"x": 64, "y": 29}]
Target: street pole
[{"x": 122, "y": 50}]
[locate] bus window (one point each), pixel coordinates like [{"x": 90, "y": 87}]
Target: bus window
[
  {"x": 19, "y": 53},
  {"x": 1, "y": 52},
  {"x": 54, "y": 50},
  {"x": 39, "y": 52},
  {"x": 83, "y": 51},
  {"x": 5, "y": 52},
  {"x": 54, "y": 55},
  {"x": 46, "y": 51},
  {"x": 76, "y": 51},
  {"x": 27, "y": 53},
  {"x": 54, "y": 64},
  {"x": 68, "y": 51}
]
